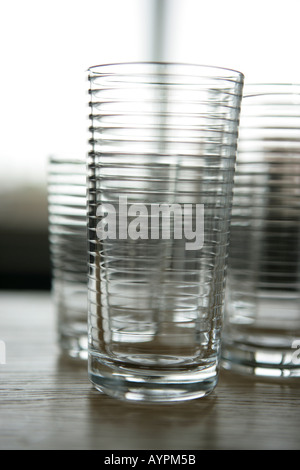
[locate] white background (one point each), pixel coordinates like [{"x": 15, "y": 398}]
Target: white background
[{"x": 47, "y": 46}]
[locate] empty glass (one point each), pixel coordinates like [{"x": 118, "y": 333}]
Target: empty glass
[
  {"x": 68, "y": 249},
  {"x": 262, "y": 330},
  {"x": 161, "y": 166}
]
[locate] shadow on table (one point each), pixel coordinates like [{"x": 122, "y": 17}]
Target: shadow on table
[
  {"x": 241, "y": 413},
  {"x": 116, "y": 424},
  {"x": 153, "y": 426}
]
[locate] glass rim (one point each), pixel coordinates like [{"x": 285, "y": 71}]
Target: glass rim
[{"x": 231, "y": 73}]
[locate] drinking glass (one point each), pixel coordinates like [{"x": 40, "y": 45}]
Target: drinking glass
[
  {"x": 262, "y": 327},
  {"x": 68, "y": 251},
  {"x": 161, "y": 165}
]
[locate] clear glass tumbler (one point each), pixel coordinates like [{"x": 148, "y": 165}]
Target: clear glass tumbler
[
  {"x": 161, "y": 166},
  {"x": 262, "y": 327},
  {"x": 68, "y": 250}
]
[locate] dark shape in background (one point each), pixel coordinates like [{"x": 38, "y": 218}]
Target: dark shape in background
[{"x": 24, "y": 255}]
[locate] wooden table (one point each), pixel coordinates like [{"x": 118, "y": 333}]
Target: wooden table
[{"x": 47, "y": 402}]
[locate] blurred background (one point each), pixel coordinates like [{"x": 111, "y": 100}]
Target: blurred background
[{"x": 47, "y": 47}]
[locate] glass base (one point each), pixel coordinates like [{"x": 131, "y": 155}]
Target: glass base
[
  {"x": 74, "y": 345},
  {"x": 147, "y": 386},
  {"x": 257, "y": 361}
]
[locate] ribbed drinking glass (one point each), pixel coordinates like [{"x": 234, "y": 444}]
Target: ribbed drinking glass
[
  {"x": 68, "y": 249},
  {"x": 161, "y": 166},
  {"x": 262, "y": 330}
]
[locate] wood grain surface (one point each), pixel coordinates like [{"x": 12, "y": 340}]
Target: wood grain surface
[{"x": 47, "y": 402}]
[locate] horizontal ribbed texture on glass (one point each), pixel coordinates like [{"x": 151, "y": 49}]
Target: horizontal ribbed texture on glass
[
  {"x": 267, "y": 182},
  {"x": 67, "y": 217}
]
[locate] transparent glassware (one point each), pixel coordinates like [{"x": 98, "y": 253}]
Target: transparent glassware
[
  {"x": 68, "y": 251},
  {"x": 262, "y": 320},
  {"x": 161, "y": 134}
]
